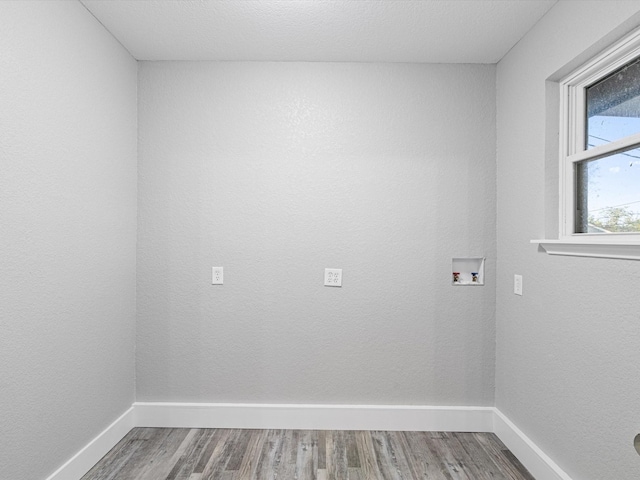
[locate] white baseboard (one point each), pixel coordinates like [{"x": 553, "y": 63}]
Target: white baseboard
[
  {"x": 86, "y": 458},
  {"x": 314, "y": 417},
  {"x": 530, "y": 455}
]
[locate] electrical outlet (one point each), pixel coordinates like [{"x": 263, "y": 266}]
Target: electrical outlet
[
  {"x": 517, "y": 284},
  {"x": 217, "y": 276},
  {"x": 332, "y": 277}
]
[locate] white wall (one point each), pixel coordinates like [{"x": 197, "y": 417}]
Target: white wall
[
  {"x": 567, "y": 350},
  {"x": 277, "y": 170},
  {"x": 67, "y": 247}
]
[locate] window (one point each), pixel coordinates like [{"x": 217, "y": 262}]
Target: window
[
  {"x": 600, "y": 147},
  {"x": 600, "y": 157}
]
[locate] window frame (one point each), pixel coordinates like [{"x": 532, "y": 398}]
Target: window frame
[
  {"x": 573, "y": 131},
  {"x": 620, "y": 245}
]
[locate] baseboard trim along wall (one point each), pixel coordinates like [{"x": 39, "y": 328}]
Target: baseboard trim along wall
[
  {"x": 530, "y": 455},
  {"x": 97, "y": 448},
  {"x": 314, "y": 417}
]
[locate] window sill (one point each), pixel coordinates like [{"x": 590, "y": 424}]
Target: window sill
[{"x": 600, "y": 248}]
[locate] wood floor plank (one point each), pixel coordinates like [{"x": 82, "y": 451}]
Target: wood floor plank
[
  {"x": 270, "y": 456},
  {"x": 295, "y": 439},
  {"x": 385, "y": 456},
  {"x": 449, "y": 457},
  {"x": 399, "y": 454},
  {"x": 111, "y": 464},
  {"x": 368, "y": 459},
  {"x": 225, "y": 454},
  {"x": 355, "y": 474},
  {"x": 336, "y": 455},
  {"x": 353, "y": 458},
  {"x": 496, "y": 449},
  {"x": 201, "y": 455},
  {"x": 476, "y": 463},
  {"x": 207, "y": 451},
  {"x": 421, "y": 458},
  {"x": 239, "y": 449},
  {"x": 177, "y": 455},
  {"x": 322, "y": 450},
  {"x": 153, "y": 461},
  {"x": 314, "y": 453},
  {"x": 305, "y": 457},
  {"x": 483, "y": 464},
  {"x": 413, "y": 461},
  {"x": 287, "y": 467},
  {"x": 437, "y": 465},
  {"x": 117, "y": 458},
  {"x": 186, "y": 462},
  {"x": 251, "y": 456},
  {"x": 523, "y": 473},
  {"x": 221, "y": 455}
]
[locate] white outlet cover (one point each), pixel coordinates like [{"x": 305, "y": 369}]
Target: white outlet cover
[
  {"x": 217, "y": 276},
  {"x": 517, "y": 284},
  {"x": 332, "y": 277}
]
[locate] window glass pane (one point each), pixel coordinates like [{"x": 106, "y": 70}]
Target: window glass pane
[
  {"x": 608, "y": 194},
  {"x": 613, "y": 106}
]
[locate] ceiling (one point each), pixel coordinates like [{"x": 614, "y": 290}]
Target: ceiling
[{"x": 426, "y": 31}]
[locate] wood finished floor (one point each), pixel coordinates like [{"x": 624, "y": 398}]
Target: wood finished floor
[{"x": 222, "y": 454}]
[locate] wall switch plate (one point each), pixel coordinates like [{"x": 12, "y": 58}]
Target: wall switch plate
[
  {"x": 332, "y": 277},
  {"x": 517, "y": 284},
  {"x": 217, "y": 276}
]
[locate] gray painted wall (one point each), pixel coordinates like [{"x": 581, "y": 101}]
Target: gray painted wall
[
  {"x": 277, "y": 170},
  {"x": 67, "y": 247},
  {"x": 567, "y": 350}
]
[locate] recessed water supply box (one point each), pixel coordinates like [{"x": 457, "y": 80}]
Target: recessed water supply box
[{"x": 467, "y": 271}]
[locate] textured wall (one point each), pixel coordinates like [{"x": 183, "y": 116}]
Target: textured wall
[
  {"x": 567, "y": 350},
  {"x": 67, "y": 247},
  {"x": 277, "y": 170}
]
